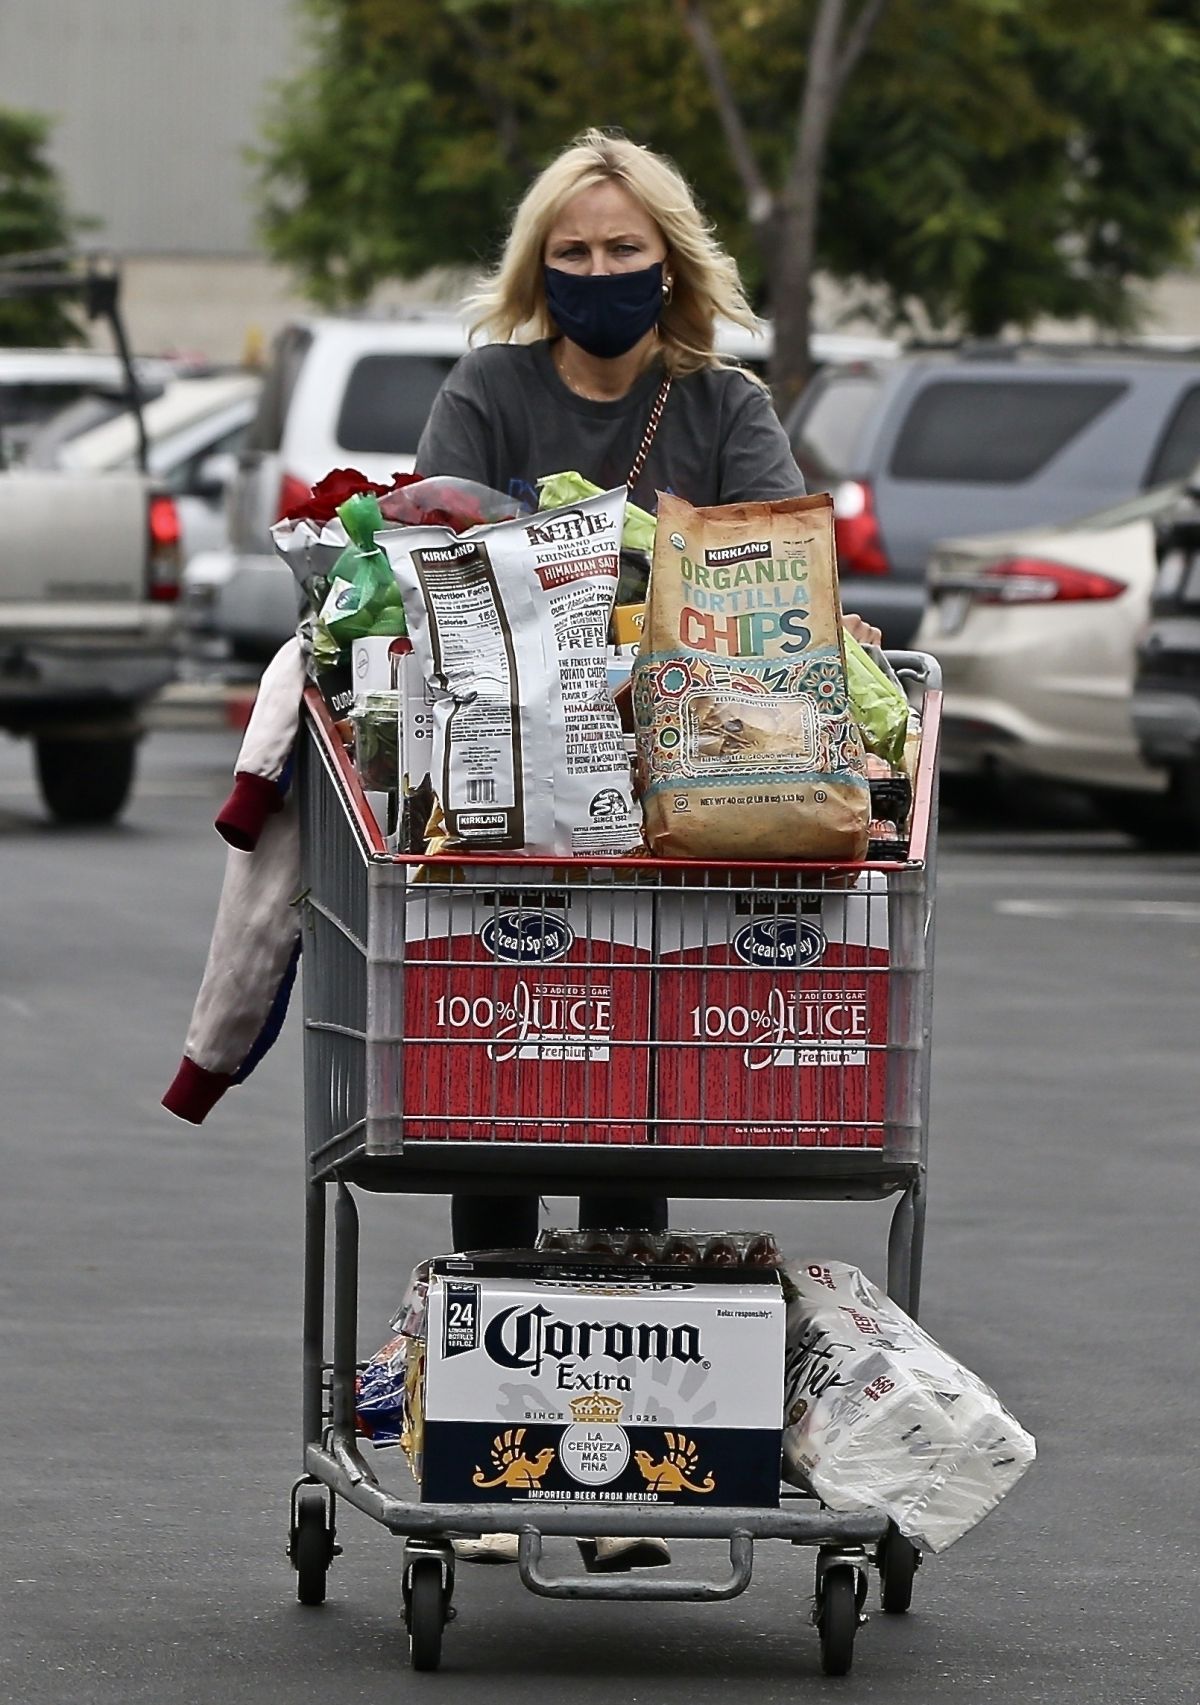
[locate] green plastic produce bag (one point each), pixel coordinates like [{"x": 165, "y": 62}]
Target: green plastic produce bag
[
  {"x": 876, "y": 703},
  {"x": 556, "y": 490},
  {"x": 363, "y": 599}
]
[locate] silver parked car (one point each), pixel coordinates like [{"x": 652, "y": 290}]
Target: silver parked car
[{"x": 981, "y": 440}]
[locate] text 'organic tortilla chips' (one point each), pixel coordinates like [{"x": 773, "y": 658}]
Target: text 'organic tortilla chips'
[{"x": 747, "y": 743}]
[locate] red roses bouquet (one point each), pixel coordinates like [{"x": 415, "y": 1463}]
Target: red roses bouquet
[{"x": 318, "y": 545}]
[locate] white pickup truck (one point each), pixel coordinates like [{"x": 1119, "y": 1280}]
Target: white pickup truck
[{"x": 89, "y": 578}]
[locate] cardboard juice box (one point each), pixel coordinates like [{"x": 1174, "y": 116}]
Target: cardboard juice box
[
  {"x": 527, "y": 1012},
  {"x": 643, "y": 1385},
  {"x": 627, "y": 623},
  {"x": 774, "y": 1006}
]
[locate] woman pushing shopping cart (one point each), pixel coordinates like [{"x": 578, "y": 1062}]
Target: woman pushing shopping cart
[{"x": 514, "y": 1000}]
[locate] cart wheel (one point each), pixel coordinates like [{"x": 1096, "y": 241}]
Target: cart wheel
[
  {"x": 837, "y": 1619},
  {"x": 898, "y": 1560},
  {"x": 425, "y": 1613},
  {"x": 311, "y": 1548}
]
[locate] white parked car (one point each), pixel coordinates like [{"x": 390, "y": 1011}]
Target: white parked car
[
  {"x": 338, "y": 393},
  {"x": 1036, "y": 633},
  {"x": 356, "y": 393}
]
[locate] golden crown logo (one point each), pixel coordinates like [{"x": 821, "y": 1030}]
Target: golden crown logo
[{"x": 596, "y": 1411}]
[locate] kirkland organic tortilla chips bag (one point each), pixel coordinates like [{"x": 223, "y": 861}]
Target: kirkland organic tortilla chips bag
[{"x": 747, "y": 744}]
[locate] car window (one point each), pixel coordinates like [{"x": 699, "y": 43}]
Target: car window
[
  {"x": 291, "y": 346},
  {"x": 825, "y": 429},
  {"x": 68, "y": 424},
  {"x": 990, "y": 432},
  {"x": 1179, "y": 448},
  {"x": 26, "y": 405},
  {"x": 387, "y": 401},
  {"x": 37, "y": 400}
]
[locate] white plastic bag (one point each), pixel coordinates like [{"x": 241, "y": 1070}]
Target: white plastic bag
[{"x": 877, "y": 1416}]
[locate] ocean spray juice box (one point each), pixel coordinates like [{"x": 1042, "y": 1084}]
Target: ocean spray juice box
[
  {"x": 773, "y": 1007},
  {"x": 527, "y": 1012}
]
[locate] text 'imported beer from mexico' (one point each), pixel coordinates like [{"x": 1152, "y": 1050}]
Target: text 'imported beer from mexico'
[{"x": 549, "y": 1384}]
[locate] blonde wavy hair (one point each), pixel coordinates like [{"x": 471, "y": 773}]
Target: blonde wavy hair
[{"x": 511, "y": 303}]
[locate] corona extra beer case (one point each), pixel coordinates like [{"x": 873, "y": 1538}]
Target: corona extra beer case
[
  {"x": 748, "y": 745},
  {"x": 547, "y": 1384},
  {"x": 774, "y": 1006},
  {"x": 527, "y": 1013}
]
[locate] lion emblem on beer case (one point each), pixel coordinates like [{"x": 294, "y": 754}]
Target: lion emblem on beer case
[
  {"x": 673, "y": 1474},
  {"x": 520, "y": 1473}
]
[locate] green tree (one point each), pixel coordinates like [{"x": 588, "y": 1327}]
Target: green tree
[
  {"x": 33, "y": 216},
  {"x": 975, "y": 164},
  {"x": 1017, "y": 160}
]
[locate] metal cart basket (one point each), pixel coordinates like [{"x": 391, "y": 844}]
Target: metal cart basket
[{"x": 515, "y": 1025}]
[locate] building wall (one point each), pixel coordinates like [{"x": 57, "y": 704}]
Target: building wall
[{"x": 153, "y": 102}]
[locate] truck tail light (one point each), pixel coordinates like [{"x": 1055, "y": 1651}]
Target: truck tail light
[
  {"x": 164, "y": 555},
  {"x": 1034, "y": 580},
  {"x": 292, "y": 493},
  {"x": 856, "y": 530}
]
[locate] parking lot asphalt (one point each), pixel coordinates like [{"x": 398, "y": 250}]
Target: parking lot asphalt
[{"x": 150, "y": 1289}]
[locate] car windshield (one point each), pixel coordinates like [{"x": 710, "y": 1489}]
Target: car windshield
[
  {"x": 1177, "y": 454},
  {"x": 291, "y": 348},
  {"x": 24, "y": 407},
  {"x": 71, "y": 423},
  {"x": 826, "y": 425}
]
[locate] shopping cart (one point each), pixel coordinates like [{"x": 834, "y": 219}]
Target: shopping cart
[{"x": 635, "y": 1058}]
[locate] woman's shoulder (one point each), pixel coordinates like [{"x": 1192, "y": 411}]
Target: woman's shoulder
[
  {"x": 730, "y": 387},
  {"x": 488, "y": 361},
  {"x": 492, "y": 375}
]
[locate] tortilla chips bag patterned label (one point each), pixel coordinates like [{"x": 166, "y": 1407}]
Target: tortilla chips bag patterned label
[{"x": 747, "y": 744}]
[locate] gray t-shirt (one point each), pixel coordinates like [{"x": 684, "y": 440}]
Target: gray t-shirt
[{"x": 505, "y": 418}]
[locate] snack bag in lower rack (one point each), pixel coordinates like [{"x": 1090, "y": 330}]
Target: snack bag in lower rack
[
  {"x": 389, "y": 1390},
  {"x": 877, "y": 1416},
  {"x": 509, "y": 624}
]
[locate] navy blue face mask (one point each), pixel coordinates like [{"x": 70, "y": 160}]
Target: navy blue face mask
[{"x": 605, "y": 313}]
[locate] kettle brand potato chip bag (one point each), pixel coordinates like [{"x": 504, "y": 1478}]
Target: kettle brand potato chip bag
[
  {"x": 509, "y": 624},
  {"x": 747, "y": 744}
]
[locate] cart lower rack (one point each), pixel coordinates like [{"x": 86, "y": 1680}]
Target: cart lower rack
[{"x": 514, "y": 1026}]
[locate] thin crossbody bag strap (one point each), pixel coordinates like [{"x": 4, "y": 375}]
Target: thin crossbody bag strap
[{"x": 656, "y": 414}]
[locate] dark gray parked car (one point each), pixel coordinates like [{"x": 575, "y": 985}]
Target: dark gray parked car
[
  {"x": 1166, "y": 687},
  {"x": 982, "y": 440}
]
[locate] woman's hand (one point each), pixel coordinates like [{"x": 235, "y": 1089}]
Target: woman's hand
[{"x": 862, "y": 630}]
